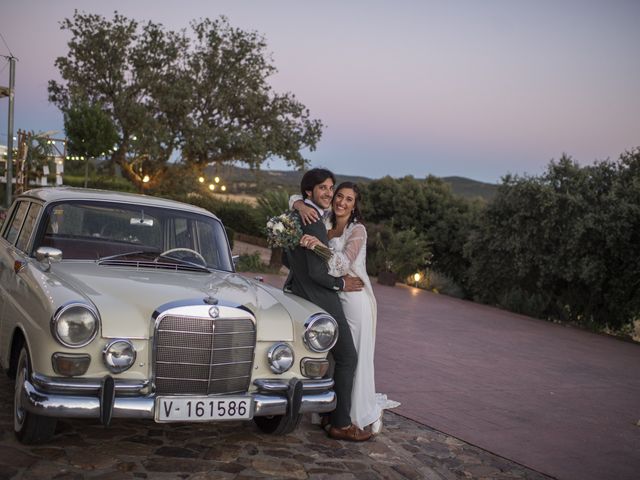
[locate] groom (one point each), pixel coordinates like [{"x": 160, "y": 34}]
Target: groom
[{"x": 309, "y": 278}]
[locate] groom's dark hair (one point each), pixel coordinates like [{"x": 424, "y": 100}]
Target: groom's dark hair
[{"x": 314, "y": 177}]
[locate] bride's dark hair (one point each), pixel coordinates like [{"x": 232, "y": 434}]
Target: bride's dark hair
[{"x": 355, "y": 216}]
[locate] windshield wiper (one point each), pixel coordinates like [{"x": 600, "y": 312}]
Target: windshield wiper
[
  {"x": 154, "y": 258},
  {"x": 126, "y": 254},
  {"x": 183, "y": 262}
]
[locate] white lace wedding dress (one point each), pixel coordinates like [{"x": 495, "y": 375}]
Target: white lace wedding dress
[
  {"x": 350, "y": 257},
  {"x": 360, "y": 309}
]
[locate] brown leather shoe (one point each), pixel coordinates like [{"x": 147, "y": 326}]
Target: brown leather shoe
[{"x": 350, "y": 433}]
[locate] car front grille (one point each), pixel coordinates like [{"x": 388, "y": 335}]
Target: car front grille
[{"x": 203, "y": 356}]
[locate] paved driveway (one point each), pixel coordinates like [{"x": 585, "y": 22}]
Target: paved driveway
[{"x": 560, "y": 400}]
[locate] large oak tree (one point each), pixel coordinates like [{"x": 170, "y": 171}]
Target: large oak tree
[{"x": 203, "y": 93}]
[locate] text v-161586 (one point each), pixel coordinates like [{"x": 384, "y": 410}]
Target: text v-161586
[{"x": 202, "y": 409}]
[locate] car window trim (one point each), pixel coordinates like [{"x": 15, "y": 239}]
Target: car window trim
[
  {"x": 14, "y": 212},
  {"x": 36, "y": 223}
]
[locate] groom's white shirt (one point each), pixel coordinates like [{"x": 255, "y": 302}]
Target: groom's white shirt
[
  {"x": 321, "y": 211},
  {"x": 295, "y": 197}
]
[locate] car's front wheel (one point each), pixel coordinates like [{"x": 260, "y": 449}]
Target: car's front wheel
[
  {"x": 277, "y": 424},
  {"x": 29, "y": 427}
]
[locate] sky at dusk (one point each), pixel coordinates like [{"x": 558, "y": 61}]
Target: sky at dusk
[{"x": 470, "y": 88}]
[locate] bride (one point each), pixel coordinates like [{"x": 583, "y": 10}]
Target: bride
[{"x": 348, "y": 242}]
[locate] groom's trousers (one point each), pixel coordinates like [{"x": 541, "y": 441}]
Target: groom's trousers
[
  {"x": 310, "y": 279},
  {"x": 345, "y": 358}
]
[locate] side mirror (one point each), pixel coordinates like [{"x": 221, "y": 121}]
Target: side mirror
[{"x": 48, "y": 254}]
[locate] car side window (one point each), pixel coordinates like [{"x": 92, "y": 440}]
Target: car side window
[
  {"x": 28, "y": 227},
  {"x": 15, "y": 224}
]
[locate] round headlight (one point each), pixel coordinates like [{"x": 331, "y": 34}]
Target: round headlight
[
  {"x": 280, "y": 357},
  {"x": 74, "y": 325},
  {"x": 321, "y": 333},
  {"x": 119, "y": 355}
]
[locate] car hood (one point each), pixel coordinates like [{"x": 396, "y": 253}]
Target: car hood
[{"x": 127, "y": 297}]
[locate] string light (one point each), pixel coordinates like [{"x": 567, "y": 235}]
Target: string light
[{"x": 214, "y": 185}]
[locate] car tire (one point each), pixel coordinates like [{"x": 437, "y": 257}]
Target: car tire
[
  {"x": 277, "y": 424},
  {"x": 29, "y": 428}
]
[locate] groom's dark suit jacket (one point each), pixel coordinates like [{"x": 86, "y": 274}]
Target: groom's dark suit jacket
[{"x": 309, "y": 278}]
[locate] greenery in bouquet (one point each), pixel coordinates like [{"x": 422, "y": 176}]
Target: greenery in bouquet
[{"x": 284, "y": 231}]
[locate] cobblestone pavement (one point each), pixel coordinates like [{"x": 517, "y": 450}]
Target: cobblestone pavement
[{"x": 237, "y": 450}]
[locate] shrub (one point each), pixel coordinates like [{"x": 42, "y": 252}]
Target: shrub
[
  {"x": 100, "y": 182},
  {"x": 527, "y": 303},
  {"x": 239, "y": 216},
  {"x": 564, "y": 245},
  {"x": 442, "y": 283},
  {"x": 231, "y": 234},
  {"x": 272, "y": 203},
  {"x": 402, "y": 252},
  {"x": 428, "y": 206},
  {"x": 251, "y": 263}
]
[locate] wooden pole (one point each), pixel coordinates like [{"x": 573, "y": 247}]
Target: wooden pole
[{"x": 9, "y": 169}]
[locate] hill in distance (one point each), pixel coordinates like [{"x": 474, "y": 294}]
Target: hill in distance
[
  {"x": 468, "y": 188},
  {"x": 244, "y": 180}
]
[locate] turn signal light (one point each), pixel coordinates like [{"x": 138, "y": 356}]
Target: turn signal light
[
  {"x": 69, "y": 364},
  {"x": 314, "y": 367}
]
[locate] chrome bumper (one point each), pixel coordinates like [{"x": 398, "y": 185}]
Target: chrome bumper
[{"x": 271, "y": 398}]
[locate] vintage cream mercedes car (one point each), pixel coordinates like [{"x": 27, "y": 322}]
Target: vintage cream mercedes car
[{"x": 117, "y": 305}]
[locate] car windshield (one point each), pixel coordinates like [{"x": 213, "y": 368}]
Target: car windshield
[{"x": 90, "y": 230}]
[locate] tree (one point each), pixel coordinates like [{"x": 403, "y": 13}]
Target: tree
[
  {"x": 564, "y": 245},
  {"x": 35, "y": 151},
  {"x": 430, "y": 208},
  {"x": 234, "y": 113},
  {"x": 90, "y": 132},
  {"x": 207, "y": 98},
  {"x": 119, "y": 65}
]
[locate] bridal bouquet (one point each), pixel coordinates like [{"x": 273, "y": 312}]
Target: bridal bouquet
[{"x": 284, "y": 231}]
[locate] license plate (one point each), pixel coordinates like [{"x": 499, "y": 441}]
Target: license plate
[{"x": 203, "y": 409}]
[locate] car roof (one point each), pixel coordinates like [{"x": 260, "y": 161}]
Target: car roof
[{"x": 55, "y": 194}]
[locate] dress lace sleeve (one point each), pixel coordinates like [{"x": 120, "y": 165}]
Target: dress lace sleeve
[
  {"x": 293, "y": 199},
  {"x": 341, "y": 260}
]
